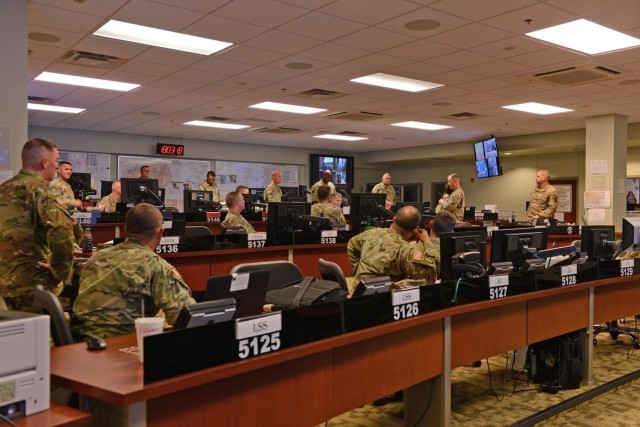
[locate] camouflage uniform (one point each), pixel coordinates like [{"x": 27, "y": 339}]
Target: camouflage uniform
[
  {"x": 204, "y": 186},
  {"x": 329, "y": 210},
  {"x": 455, "y": 204},
  {"x": 108, "y": 203},
  {"x": 272, "y": 193},
  {"x": 388, "y": 190},
  {"x": 314, "y": 189},
  {"x": 543, "y": 202},
  {"x": 382, "y": 252},
  {"x": 33, "y": 227},
  {"x": 235, "y": 220},
  {"x": 63, "y": 193},
  {"x": 114, "y": 282}
]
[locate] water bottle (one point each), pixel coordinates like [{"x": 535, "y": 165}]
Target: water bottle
[{"x": 88, "y": 240}]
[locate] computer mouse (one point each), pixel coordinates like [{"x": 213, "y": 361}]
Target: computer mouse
[{"x": 96, "y": 344}]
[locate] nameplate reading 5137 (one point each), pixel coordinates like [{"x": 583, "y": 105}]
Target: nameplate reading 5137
[
  {"x": 256, "y": 240},
  {"x": 258, "y": 335}
]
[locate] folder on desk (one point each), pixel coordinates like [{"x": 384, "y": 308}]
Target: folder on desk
[{"x": 248, "y": 289}]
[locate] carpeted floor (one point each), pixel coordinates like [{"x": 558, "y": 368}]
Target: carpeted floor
[{"x": 479, "y": 399}]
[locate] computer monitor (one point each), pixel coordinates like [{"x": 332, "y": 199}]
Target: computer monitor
[
  {"x": 198, "y": 201},
  {"x": 598, "y": 241},
  {"x": 205, "y": 313},
  {"x": 258, "y": 194},
  {"x": 630, "y": 233},
  {"x": 80, "y": 183},
  {"x": 463, "y": 254},
  {"x": 140, "y": 190},
  {"x": 517, "y": 244},
  {"x": 285, "y": 216},
  {"x": 365, "y": 210}
]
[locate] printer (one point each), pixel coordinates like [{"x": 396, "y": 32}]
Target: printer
[{"x": 24, "y": 363}]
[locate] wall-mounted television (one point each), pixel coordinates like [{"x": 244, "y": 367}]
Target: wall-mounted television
[
  {"x": 487, "y": 159},
  {"x": 341, "y": 168}
]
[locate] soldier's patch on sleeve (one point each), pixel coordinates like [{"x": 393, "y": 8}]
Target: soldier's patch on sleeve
[
  {"x": 417, "y": 255},
  {"x": 175, "y": 274}
]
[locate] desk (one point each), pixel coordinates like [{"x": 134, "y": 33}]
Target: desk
[
  {"x": 317, "y": 381},
  {"x": 56, "y": 416}
]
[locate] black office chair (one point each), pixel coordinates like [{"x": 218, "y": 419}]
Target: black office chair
[
  {"x": 49, "y": 304},
  {"x": 332, "y": 271},
  {"x": 282, "y": 273},
  {"x": 197, "y": 230}
]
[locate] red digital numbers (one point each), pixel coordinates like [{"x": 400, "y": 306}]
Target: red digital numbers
[{"x": 170, "y": 149}]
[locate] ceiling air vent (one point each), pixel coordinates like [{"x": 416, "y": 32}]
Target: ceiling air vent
[
  {"x": 90, "y": 59},
  {"x": 463, "y": 116},
  {"x": 40, "y": 99},
  {"x": 216, "y": 119},
  {"x": 356, "y": 116},
  {"x": 570, "y": 76},
  {"x": 320, "y": 94},
  {"x": 279, "y": 130}
]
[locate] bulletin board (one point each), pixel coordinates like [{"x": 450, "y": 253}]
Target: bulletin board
[
  {"x": 254, "y": 175},
  {"x": 97, "y": 164}
]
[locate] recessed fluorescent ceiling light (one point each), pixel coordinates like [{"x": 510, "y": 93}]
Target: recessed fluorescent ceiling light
[
  {"x": 396, "y": 82},
  {"x": 585, "y": 36},
  {"x": 68, "y": 79},
  {"x": 215, "y": 124},
  {"x": 55, "y": 108},
  {"x": 421, "y": 125},
  {"x": 287, "y": 108},
  {"x": 160, "y": 38},
  {"x": 536, "y": 108},
  {"x": 340, "y": 137}
]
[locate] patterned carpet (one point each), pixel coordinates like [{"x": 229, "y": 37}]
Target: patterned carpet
[{"x": 480, "y": 399}]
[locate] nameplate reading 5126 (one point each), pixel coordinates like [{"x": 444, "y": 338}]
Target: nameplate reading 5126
[
  {"x": 258, "y": 335},
  {"x": 256, "y": 240},
  {"x": 498, "y": 285},
  {"x": 405, "y": 303},
  {"x": 168, "y": 245}
]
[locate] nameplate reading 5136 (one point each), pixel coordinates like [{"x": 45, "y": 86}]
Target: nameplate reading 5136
[
  {"x": 168, "y": 245},
  {"x": 405, "y": 303},
  {"x": 258, "y": 335},
  {"x": 498, "y": 285}
]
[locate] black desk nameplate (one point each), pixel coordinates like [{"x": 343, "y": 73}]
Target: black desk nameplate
[{"x": 552, "y": 277}]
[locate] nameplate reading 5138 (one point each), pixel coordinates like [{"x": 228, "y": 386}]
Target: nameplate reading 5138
[
  {"x": 498, "y": 285},
  {"x": 256, "y": 240},
  {"x": 328, "y": 237},
  {"x": 405, "y": 303},
  {"x": 258, "y": 335}
]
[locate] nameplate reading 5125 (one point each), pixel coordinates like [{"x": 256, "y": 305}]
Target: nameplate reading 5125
[{"x": 258, "y": 335}]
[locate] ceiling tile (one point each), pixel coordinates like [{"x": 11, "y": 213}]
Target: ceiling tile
[
  {"x": 367, "y": 13},
  {"x": 315, "y": 25}
]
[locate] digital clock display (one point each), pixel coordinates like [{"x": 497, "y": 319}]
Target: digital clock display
[{"x": 170, "y": 149}]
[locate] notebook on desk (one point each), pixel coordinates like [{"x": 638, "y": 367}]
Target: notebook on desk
[{"x": 248, "y": 289}]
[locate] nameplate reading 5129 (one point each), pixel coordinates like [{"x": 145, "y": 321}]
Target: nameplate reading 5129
[
  {"x": 626, "y": 267},
  {"x": 258, "y": 335},
  {"x": 405, "y": 303}
]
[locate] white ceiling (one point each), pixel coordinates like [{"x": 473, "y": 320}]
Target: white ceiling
[{"x": 478, "y": 50}]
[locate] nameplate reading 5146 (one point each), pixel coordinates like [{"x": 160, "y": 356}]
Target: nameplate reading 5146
[{"x": 258, "y": 335}]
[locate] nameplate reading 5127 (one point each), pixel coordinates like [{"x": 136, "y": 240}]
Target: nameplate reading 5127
[
  {"x": 258, "y": 335},
  {"x": 498, "y": 285}
]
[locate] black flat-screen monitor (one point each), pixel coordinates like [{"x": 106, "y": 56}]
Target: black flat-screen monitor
[
  {"x": 517, "y": 244},
  {"x": 105, "y": 188},
  {"x": 140, "y": 190},
  {"x": 197, "y": 201},
  {"x": 341, "y": 168},
  {"x": 366, "y": 210},
  {"x": 285, "y": 216},
  {"x": 80, "y": 183},
  {"x": 205, "y": 313},
  {"x": 630, "y": 233},
  {"x": 598, "y": 241},
  {"x": 463, "y": 254},
  {"x": 487, "y": 158}
]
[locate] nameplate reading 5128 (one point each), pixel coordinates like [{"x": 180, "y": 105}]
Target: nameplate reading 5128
[
  {"x": 258, "y": 335},
  {"x": 405, "y": 303},
  {"x": 498, "y": 285}
]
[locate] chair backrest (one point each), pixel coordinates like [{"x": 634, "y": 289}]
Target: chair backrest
[
  {"x": 3, "y": 306},
  {"x": 49, "y": 303},
  {"x": 281, "y": 273},
  {"x": 331, "y": 271},
  {"x": 197, "y": 230}
]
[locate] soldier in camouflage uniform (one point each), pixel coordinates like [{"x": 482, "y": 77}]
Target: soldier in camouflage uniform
[
  {"x": 36, "y": 233},
  {"x": 209, "y": 184},
  {"x": 326, "y": 180},
  {"x": 385, "y": 187},
  {"x": 326, "y": 209},
  {"x": 62, "y": 190},
  {"x": 402, "y": 252},
  {"x": 543, "y": 200},
  {"x": 273, "y": 193},
  {"x": 115, "y": 281},
  {"x": 455, "y": 202},
  {"x": 108, "y": 203},
  {"x": 235, "y": 203}
]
